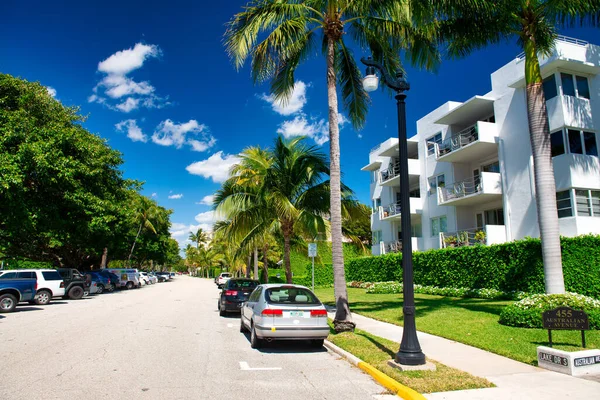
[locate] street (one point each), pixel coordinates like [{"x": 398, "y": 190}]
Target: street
[{"x": 164, "y": 341}]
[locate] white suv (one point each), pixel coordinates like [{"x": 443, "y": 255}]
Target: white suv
[
  {"x": 223, "y": 278},
  {"x": 49, "y": 282}
]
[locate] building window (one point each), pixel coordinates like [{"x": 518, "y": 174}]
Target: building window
[
  {"x": 437, "y": 138},
  {"x": 573, "y": 85},
  {"x": 583, "y": 88},
  {"x": 563, "y": 204},
  {"x": 549, "y": 85},
  {"x": 575, "y": 145},
  {"x": 436, "y": 182},
  {"x": 492, "y": 167},
  {"x": 415, "y": 193},
  {"x": 588, "y": 202},
  {"x": 494, "y": 217},
  {"x": 376, "y": 204},
  {"x": 438, "y": 225},
  {"x": 591, "y": 147},
  {"x": 595, "y": 197},
  {"x": 557, "y": 143},
  {"x": 581, "y": 142},
  {"x": 374, "y": 176},
  {"x": 376, "y": 237}
]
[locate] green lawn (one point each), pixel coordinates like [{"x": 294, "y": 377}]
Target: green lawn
[
  {"x": 470, "y": 321},
  {"x": 377, "y": 351}
]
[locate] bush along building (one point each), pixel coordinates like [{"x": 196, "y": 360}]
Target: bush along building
[{"x": 471, "y": 168}]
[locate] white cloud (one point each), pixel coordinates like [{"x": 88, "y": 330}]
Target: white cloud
[
  {"x": 134, "y": 132},
  {"x": 318, "y": 130},
  {"x": 51, "y": 91},
  {"x": 207, "y": 200},
  {"x": 154, "y": 194},
  {"x": 294, "y": 103},
  {"x": 169, "y": 133},
  {"x": 128, "y": 105},
  {"x": 116, "y": 84},
  {"x": 125, "y": 61},
  {"x": 215, "y": 167},
  {"x": 205, "y": 217},
  {"x": 175, "y": 196}
]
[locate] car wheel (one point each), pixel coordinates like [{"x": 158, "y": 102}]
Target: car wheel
[
  {"x": 129, "y": 285},
  {"x": 100, "y": 289},
  {"x": 317, "y": 343},
  {"x": 221, "y": 311},
  {"x": 243, "y": 328},
  {"x": 76, "y": 293},
  {"x": 255, "y": 342},
  {"x": 111, "y": 287},
  {"x": 8, "y": 302},
  {"x": 86, "y": 293},
  {"x": 42, "y": 297}
]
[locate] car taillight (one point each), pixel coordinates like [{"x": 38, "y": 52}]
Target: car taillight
[
  {"x": 36, "y": 286},
  {"x": 109, "y": 281},
  {"x": 231, "y": 293},
  {"x": 272, "y": 313},
  {"x": 62, "y": 284},
  {"x": 318, "y": 313}
]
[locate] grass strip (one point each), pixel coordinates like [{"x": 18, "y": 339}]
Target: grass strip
[
  {"x": 377, "y": 351},
  {"x": 469, "y": 321}
]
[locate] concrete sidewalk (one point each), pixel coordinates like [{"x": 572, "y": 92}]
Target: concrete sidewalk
[{"x": 513, "y": 379}]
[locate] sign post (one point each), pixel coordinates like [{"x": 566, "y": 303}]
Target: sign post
[
  {"x": 312, "y": 253},
  {"x": 565, "y": 318}
]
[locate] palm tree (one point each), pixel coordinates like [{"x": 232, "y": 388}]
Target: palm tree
[
  {"x": 147, "y": 214},
  {"x": 199, "y": 237},
  {"x": 534, "y": 23},
  {"x": 288, "y": 30}
]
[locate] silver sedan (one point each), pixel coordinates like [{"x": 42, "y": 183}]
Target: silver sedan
[{"x": 284, "y": 312}]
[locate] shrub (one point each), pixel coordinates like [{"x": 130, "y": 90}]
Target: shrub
[
  {"x": 323, "y": 275},
  {"x": 509, "y": 267},
  {"x": 396, "y": 287},
  {"x": 527, "y": 313},
  {"x": 385, "y": 288}
]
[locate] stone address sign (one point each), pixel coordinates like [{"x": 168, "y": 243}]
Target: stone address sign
[{"x": 566, "y": 318}]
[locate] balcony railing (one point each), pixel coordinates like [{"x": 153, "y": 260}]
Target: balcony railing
[
  {"x": 375, "y": 148},
  {"x": 392, "y": 209},
  {"x": 463, "y": 138},
  {"x": 465, "y": 237},
  {"x": 560, "y": 38},
  {"x": 461, "y": 189},
  {"x": 393, "y": 247},
  {"x": 392, "y": 171}
]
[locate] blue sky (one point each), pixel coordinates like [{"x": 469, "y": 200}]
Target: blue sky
[{"x": 153, "y": 79}]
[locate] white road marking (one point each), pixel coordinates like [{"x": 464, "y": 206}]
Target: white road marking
[
  {"x": 230, "y": 325},
  {"x": 245, "y": 367}
]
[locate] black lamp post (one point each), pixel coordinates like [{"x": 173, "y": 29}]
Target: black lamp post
[{"x": 410, "y": 350}]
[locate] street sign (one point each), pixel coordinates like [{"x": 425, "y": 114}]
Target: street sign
[{"x": 312, "y": 249}]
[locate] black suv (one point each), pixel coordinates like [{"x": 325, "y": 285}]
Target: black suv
[
  {"x": 235, "y": 293},
  {"x": 75, "y": 284}
]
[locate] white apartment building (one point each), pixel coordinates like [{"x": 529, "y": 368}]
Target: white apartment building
[{"x": 470, "y": 164}]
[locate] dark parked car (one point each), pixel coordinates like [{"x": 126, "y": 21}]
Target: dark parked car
[
  {"x": 235, "y": 293},
  {"x": 13, "y": 291},
  {"x": 113, "y": 279},
  {"x": 75, "y": 284}
]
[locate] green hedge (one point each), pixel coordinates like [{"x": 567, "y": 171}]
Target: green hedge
[
  {"x": 514, "y": 266},
  {"x": 323, "y": 275}
]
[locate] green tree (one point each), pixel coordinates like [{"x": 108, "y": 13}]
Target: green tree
[
  {"x": 147, "y": 214},
  {"x": 357, "y": 227},
  {"x": 62, "y": 195},
  {"x": 199, "y": 237},
  {"x": 278, "y": 35},
  {"x": 471, "y": 25}
]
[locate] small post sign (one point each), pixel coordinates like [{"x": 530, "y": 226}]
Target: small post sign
[
  {"x": 312, "y": 253},
  {"x": 566, "y": 318}
]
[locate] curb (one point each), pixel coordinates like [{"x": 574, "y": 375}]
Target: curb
[{"x": 394, "y": 386}]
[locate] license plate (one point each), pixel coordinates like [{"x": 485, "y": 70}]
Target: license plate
[{"x": 296, "y": 313}]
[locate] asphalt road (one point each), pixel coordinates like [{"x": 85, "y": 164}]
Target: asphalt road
[{"x": 164, "y": 341}]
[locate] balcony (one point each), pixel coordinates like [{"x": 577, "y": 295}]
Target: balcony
[
  {"x": 473, "y": 143},
  {"x": 489, "y": 234},
  {"x": 391, "y": 176},
  {"x": 393, "y": 211},
  {"x": 396, "y": 246},
  {"x": 470, "y": 192}
]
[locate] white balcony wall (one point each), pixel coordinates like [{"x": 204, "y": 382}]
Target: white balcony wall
[
  {"x": 576, "y": 171},
  {"x": 495, "y": 234},
  {"x": 569, "y": 111}
]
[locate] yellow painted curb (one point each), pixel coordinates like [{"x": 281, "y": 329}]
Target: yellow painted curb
[{"x": 402, "y": 391}]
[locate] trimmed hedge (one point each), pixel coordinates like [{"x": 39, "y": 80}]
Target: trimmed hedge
[
  {"x": 323, "y": 275},
  {"x": 509, "y": 267}
]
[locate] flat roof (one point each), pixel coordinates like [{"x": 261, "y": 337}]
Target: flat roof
[
  {"x": 471, "y": 109},
  {"x": 561, "y": 62},
  {"x": 372, "y": 166}
]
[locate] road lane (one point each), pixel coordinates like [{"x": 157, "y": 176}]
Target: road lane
[{"x": 164, "y": 341}]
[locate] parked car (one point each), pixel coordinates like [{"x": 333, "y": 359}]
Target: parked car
[
  {"x": 284, "y": 312},
  {"x": 162, "y": 276},
  {"x": 171, "y": 275},
  {"x": 222, "y": 279},
  {"x": 144, "y": 277},
  {"x": 235, "y": 293},
  {"x": 128, "y": 277},
  {"x": 112, "y": 278},
  {"x": 76, "y": 284},
  {"x": 13, "y": 291},
  {"x": 49, "y": 283},
  {"x": 152, "y": 277},
  {"x": 102, "y": 282}
]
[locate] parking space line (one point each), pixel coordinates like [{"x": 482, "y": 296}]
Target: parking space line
[{"x": 245, "y": 367}]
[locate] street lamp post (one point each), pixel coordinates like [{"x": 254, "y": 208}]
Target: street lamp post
[{"x": 410, "y": 350}]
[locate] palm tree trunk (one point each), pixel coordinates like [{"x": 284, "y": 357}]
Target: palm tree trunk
[
  {"x": 545, "y": 185},
  {"x": 248, "y": 266},
  {"x": 255, "y": 263},
  {"x": 287, "y": 233},
  {"x": 104, "y": 258},
  {"x": 343, "y": 318},
  {"x": 134, "y": 241},
  {"x": 265, "y": 263}
]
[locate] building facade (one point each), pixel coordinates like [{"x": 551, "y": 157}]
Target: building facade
[{"x": 470, "y": 164}]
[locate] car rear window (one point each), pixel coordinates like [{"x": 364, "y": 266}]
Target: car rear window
[
  {"x": 235, "y": 284},
  {"x": 51, "y": 276},
  {"x": 290, "y": 295},
  {"x": 225, "y": 274}
]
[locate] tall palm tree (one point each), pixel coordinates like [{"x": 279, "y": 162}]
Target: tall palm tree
[
  {"x": 289, "y": 30},
  {"x": 199, "y": 237},
  {"x": 475, "y": 24},
  {"x": 147, "y": 214}
]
